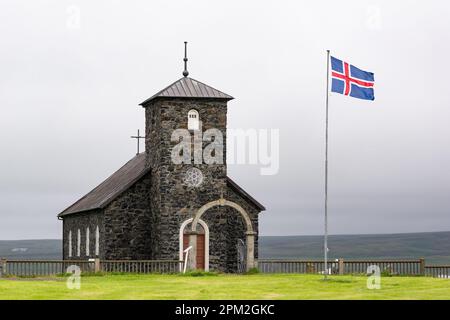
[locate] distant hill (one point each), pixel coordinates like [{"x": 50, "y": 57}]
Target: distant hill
[
  {"x": 42, "y": 249},
  {"x": 433, "y": 246}
]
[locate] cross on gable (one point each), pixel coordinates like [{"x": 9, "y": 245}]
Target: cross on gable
[{"x": 138, "y": 137}]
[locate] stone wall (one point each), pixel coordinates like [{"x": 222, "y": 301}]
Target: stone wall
[
  {"x": 250, "y": 208},
  {"x": 226, "y": 226},
  {"x": 81, "y": 221},
  {"x": 128, "y": 223},
  {"x": 172, "y": 200},
  {"x": 145, "y": 220}
]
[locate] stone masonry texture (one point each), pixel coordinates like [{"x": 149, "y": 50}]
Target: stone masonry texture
[{"x": 144, "y": 221}]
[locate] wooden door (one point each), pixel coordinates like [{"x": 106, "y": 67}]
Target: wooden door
[{"x": 200, "y": 249}]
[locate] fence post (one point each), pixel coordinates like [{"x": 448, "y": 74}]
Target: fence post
[
  {"x": 97, "y": 265},
  {"x": 422, "y": 266},
  {"x": 2, "y": 267},
  {"x": 341, "y": 266}
]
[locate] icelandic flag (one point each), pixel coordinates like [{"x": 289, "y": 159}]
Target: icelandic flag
[{"x": 349, "y": 80}]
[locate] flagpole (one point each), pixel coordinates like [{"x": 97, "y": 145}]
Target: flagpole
[{"x": 325, "y": 240}]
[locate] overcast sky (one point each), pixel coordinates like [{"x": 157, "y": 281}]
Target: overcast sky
[{"x": 69, "y": 97}]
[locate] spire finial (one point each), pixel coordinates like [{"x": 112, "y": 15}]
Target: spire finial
[{"x": 185, "y": 72}]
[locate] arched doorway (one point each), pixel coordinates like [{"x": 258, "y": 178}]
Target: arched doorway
[
  {"x": 250, "y": 234},
  {"x": 202, "y": 243}
]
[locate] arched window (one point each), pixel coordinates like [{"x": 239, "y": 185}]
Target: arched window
[
  {"x": 87, "y": 242},
  {"x": 79, "y": 243},
  {"x": 70, "y": 243},
  {"x": 193, "y": 120},
  {"x": 97, "y": 241}
]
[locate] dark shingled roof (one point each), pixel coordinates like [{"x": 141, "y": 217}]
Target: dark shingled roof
[
  {"x": 124, "y": 178},
  {"x": 189, "y": 88},
  {"x": 108, "y": 190}
]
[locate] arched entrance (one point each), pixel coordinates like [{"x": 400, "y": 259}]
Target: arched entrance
[
  {"x": 202, "y": 254},
  {"x": 250, "y": 234}
]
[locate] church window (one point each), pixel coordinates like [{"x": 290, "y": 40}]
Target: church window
[
  {"x": 79, "y": 243},
  {"x": 70, "y": 243},
  {"x": 97, "y": 241},
  {"x": 87, "y": 241},
  {"x": 193, "y": 120}
]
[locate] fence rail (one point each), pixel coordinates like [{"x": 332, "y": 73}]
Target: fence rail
[
  {"x": 393, "y": 267},
  {"x": 341, "y": 266},
  {"x": 54, "y": 267},
  {"x": 43, "y": 267},
  {"x": 141, "y": 266},
  {"x": 438, "y": 271},
  {"x": 293, "y": 266}
]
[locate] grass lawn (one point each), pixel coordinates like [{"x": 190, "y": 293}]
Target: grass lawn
[{"x": 258, "y": 286}]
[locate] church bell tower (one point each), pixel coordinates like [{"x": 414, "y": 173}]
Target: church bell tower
[{"x": 185, "y": 145}]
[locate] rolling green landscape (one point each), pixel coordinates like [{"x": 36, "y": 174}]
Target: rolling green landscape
[
  {"x": 224, "y": 287},
  {"x": 433, "y": 246}
]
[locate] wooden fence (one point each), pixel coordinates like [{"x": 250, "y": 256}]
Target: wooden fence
[
  {"x": 341, "y": 266},
  {"x": 293, "y": 266},
  {"x": 391, "y": 267},
  {"x": 438, "y": 271},
  {"x": 43, "y": 267},
  {"x": 53, "y": 267},
  {"x": 141, "y": 266}
]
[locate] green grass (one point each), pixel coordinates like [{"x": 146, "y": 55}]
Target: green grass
[{"x": 255, "y": 286}]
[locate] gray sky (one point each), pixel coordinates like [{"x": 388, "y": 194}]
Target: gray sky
[{"x": 69, "y": 102}]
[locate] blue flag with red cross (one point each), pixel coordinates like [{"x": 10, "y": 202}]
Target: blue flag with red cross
[{"x": 351, "y": 81}]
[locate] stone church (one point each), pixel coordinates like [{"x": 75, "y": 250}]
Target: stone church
[{"x": 153, "y": 208}]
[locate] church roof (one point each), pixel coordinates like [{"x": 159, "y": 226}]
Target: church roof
[
  {"x": 124, "y": 178},
  {"x": 189, "y": 88},
  {"x": 244, "y": 194},
  {"x": 111, "y": 188}
]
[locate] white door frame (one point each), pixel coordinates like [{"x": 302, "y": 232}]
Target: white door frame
[{"x": 206, "y": 229}]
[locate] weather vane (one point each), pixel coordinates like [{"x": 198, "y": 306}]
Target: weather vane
[{"x": 185, "y": 72}]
